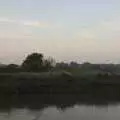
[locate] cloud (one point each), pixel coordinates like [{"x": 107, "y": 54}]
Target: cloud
[
  {"x": 18, "y": 28},
  {"x": 35, "y": 24},
  {"x": 27, "y": 23}
]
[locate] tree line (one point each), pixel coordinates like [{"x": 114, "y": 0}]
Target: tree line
[{"x": 36, "y": 62}]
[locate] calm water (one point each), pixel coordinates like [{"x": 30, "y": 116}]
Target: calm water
[
  {"x": 75, "y": 113},
  {"x": 57, "y": 107}
]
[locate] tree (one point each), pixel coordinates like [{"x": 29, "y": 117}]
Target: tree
[
  {"x": 62, "y": 65},
  {"x": 74, "y": 64},
  {"x": 33, "y": 62},
  {"x": 12, "y": 68},
  {"x": 49, "y": 63}
]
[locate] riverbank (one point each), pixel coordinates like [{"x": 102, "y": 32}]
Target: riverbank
[{"x": 56, "y": 82}]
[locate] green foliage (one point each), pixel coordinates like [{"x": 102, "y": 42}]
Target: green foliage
[
  {"x": 33, "y": 62},
  {"x": 11, "y": 68},
  {"x": 49, "y": 63}
]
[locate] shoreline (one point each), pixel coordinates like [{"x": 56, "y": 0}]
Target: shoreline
[{"x": 20, "y": 83}]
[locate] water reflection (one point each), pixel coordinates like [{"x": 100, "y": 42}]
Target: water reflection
[
  {"x": 61, "y": 101},
  {"x": 62, "y": 106}
]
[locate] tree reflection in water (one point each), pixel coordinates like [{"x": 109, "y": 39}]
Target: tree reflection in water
[{"x": 61, "y": 101}]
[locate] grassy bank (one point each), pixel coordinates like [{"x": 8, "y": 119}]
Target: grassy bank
[{"x": 56, "y": 82}]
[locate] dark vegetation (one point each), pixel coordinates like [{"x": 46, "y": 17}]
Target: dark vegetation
[
  {"x": 33, "y": 63},
  {"x": 39, "y": 75}
]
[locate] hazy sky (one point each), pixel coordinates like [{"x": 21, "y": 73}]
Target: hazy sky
[{"x": 81, "y": 30}]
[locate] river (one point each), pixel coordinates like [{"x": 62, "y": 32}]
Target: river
[{"x": 57, "y": 107}]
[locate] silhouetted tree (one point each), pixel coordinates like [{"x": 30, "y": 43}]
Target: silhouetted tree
[
  {"x": 33, "y": 62},
  {"x": 13, "y": 66},
  {"x": 74, "y": 64},
  {"x": 10, "y": 68},
  {"x": 49, "y": 63},
  {"x": 62, "y": 65}
]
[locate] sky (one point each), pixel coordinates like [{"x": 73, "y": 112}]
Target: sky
[{"x": 67, "y": 30}]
